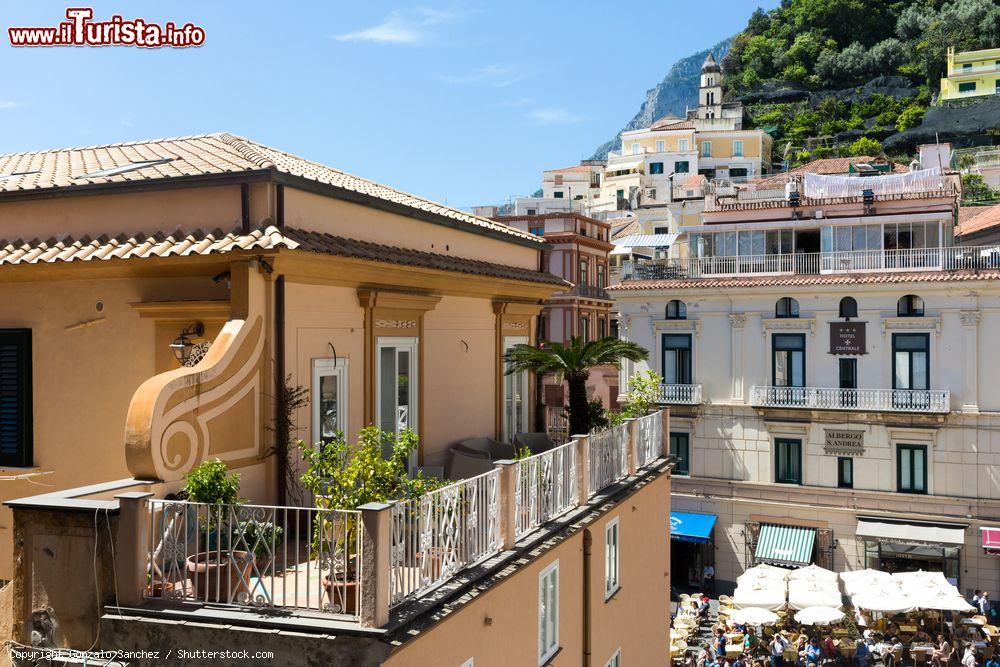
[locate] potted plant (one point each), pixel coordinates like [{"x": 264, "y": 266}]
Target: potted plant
[
  {"x": 219, "y": 573},
  {"x": 342, "y": 477}
]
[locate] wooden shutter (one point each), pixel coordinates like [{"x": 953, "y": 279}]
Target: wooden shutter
[{"x": 15, "y": 397}]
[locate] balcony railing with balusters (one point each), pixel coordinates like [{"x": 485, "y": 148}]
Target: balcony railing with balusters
[
  {"x": 441, "y": 532},
  {"x": 936, "y": 401},
  {"x": 952, "y": 258},
  {"x": 680, "y": 394},
  {"x": 544, "y": 487}
]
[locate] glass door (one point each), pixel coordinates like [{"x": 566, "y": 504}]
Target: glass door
[
  {"x": 848, "y": 382},
  {"x": 396, "y": 384},
  {"x": 515, "y": 395}
]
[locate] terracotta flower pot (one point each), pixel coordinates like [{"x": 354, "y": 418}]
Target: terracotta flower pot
[
  {"x": 341, "y": 593},
  {"x": 220, "y": 576},
  {"x": 159, "y": 588}
]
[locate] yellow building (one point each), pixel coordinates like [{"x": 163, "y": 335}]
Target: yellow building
[{"x": 971, "y": 74}]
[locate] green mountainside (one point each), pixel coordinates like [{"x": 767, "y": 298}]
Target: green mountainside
[
  {"x": 841, "y": 77},
  {"x": 823, "y": 75}
]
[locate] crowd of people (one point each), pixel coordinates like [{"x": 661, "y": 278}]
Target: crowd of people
[{"x": 805, "y": 646}]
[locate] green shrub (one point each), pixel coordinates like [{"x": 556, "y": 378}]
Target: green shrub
[
  {"x": 865, "y": 146},
  {"x": 912, "y": 116},
  {"x": 209, "y": 483}
]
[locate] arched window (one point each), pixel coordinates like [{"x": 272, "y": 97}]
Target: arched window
[
  {"x": 848, "y": 307},
  {"x": 786, "y": 307},
  {"x": 910, "y": 305},
  {"x": 676, "y": 310}
]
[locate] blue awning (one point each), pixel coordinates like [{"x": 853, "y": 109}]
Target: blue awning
[{"x": 691, "y": 527}]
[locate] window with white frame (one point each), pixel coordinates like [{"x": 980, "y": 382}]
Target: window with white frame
[
  {"x": 635, "y": 148},
  {"x": 737, "y": 148},
  {"x": 682, "y": 145},
  {"x": 548, "y": 612},
  {"x": 611, "y": 582},
  {"x": 329, "y": 399},
  {"x": 706, "y": 149},
  {"x": 616, "y": 660},
  {"x": 660, "y": 146}
]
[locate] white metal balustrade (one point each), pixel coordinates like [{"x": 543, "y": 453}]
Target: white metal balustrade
[
  {"x": 254, "y": 556},
  {"x": 608, "y": 457},
  {"x": 441, "y": 532},
  {"x": 952, "y": 258},
  {"x": 648, "y": 439},
  {"x": 544, "y": 487},
  {"x": 680, "y": 394},
  {"x": 877, "y": 400}
]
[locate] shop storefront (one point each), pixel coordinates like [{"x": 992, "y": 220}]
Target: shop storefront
[
  {"x": 692, "y": 547},
  {"x": 907, "y": 546}
]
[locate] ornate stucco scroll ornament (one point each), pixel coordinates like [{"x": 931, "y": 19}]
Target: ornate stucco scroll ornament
[{"x": 211, "y": 410}]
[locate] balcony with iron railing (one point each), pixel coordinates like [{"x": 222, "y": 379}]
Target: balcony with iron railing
[
  {"x": 586, "y": 292},
  {"x": 929, "y": 401},
  {"x": 312, "y": 566},
  {"x": 680, "y": 394},
  {"x": 951, "y": 258}
]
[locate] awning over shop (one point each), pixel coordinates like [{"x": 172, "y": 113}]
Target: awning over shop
[
  {"x": 691, "y": 527},
  {"x": 647, "y": 240},
  {"x": 900, "y": 532},
  {"x": 785, "y": 545},
  {"x": 991, "y": 541}
]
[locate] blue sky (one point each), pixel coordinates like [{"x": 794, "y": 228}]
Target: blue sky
[{"x": 464, "y": 102}]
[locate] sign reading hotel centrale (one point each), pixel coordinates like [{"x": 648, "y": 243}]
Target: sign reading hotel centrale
[
  {"x": 847, "y": 338},
  {"x": 844, "y": 442}
]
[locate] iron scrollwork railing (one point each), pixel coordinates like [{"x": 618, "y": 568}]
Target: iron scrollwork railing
[
  {"x": 441, "y": 532},
  {"x": 608, "y": 457},
  {"x": 648, "y": 439},
  {"x": 255, "y": 556},
  {"x": 545, "y": 487}
]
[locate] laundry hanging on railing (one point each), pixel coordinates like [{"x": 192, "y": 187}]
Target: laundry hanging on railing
[{"x": 818, "y": 186}]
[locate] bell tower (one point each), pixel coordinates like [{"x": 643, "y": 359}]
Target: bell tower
[{"x": 710, "y": 92}]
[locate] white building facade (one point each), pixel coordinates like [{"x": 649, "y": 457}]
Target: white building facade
[{"x": 839, "y": 407}]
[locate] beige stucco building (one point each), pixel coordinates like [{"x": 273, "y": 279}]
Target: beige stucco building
[
  {"x": 160, "y": 300},
  {"x": 827, "y": 355}
]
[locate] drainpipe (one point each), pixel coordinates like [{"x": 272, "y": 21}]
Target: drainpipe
[
  {"x": 279, "y": 381},
  {"x": 587, "y": 543},
  {"x": 245, "y": 208}
]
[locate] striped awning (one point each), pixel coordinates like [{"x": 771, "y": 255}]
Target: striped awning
[{"x": 785, "y": 545}]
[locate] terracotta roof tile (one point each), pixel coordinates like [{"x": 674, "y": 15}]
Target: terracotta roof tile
[
  {"x": 672, "y": 123},
  {"x": 578, "y": 168},
  {"x": 804, "y": 281},
  {"x": 201, "y": 242},
  {"x": 201, "y": 155},
  {"x": 973, "y": 219},
  {"x": 376, "y": 252}
]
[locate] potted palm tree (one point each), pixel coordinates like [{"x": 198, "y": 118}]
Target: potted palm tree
[
  {"x": 572, "y": 362},
  {"x": 219, "y": 573},
  {"x": 342, "y": 477}
]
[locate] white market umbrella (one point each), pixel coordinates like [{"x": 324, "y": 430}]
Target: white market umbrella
[
  {"x": 812, "y": 573},
  {"x": 943, "y": 600},
  {"x": 806, "y": 593},
  {"x": 753, "y": 616},
  {"x": 760, "y": 573},
  {"x": 887, "y": 600},
  {"x": 819, "y": 616},
  {"x": 765, "y": 595},
  {"x": 859, "y": 581}
]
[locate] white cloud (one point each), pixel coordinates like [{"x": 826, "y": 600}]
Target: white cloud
[
  {"x": 7, "y": 104},
  {"x": 553, "y": 116},
  {"x": 408, "y": 28},
  {"x": 495, "y": 76}
]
